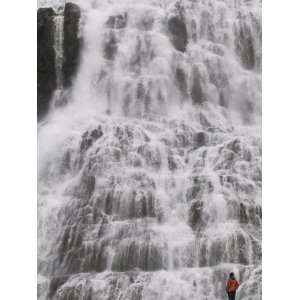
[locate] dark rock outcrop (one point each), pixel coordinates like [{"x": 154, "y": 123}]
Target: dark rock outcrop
[
  {"x": 86, "y": 188},
  {"x": 46, "y": 73},
  {"x": 200, "y": 139},
  {"x": 196, "y": 215},
  {"x": 72, "y": 43},
  {"x": 178, "y": 32},
  {"x": 55, "y": 283},
  {"x": 197, "y": 94},
  {"x": 245, "y": 47},
  {"x": 46, "y": 76},
  {"x": 89, "y": 137},
  {"x": 181, "y": 81},
  {"x": 117, "y": 22}
]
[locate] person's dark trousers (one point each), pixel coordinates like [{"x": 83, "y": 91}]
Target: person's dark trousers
[{"x": 231, "y": 296}]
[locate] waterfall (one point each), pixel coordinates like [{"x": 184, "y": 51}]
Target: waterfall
[
  {"x": 58, "y": 47},
  {"x": 149, "y": 179}
]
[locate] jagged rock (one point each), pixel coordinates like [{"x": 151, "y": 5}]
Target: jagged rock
[
  {"x": 46, "y": 76},
  {"x": 178, "y": 32},
  {"x": 72, "y": 42},
  {"x": 88, "y": 138}
]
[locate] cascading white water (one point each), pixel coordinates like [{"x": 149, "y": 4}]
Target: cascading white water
[
  {"x": 150, "y": 178},
  {"x": 59, "y": 55},
  {"x": 58, "y": 46}
]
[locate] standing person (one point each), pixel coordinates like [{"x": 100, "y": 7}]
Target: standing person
[{"x": 232, "y": 286}]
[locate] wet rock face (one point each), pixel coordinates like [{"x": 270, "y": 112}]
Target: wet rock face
[
  {"x": 89, "y": 137},
  {"x": 72, "y": 42},
  {"x": 200, "y": 139},
  {"x": 117, "y": 22},
  {"x": 181, "y": 81},
  {"x": 79, "y": 292},
  {"x": 178, "y": 32},
  {"x": 75, "y": 253},
  {"x": 147, "y": 285},
  {"x": 127, "y": 206},
  {"x": 242, "y": 250},
  {"x": 110, "y": 46},
  {"x": 113, "y": 220},
  {"x": 195, "y": 215},
  {"x": 166, "y": 194},
  {"x": 46, "y": 75},
  {"x": 245, "y": 47},
  {"x": 249, "y": 214},
  {"x": 55, "y": 283},
  {"x": 87, "y": 187},
  {"x": 197, "y": 93},
  {"x": 138, "y": 254},
  {"x": 119, "y": 286},
  {"x": 46, "y": 65}
]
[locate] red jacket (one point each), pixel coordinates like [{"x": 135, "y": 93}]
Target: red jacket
[{"x": 232, "y": 285}]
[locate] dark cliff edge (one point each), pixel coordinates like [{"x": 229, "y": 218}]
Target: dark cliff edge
[
  {"x": 46, "y": 73},
  {"x": 72, "y": 43},
  {"x": 46, "y": 77}
]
